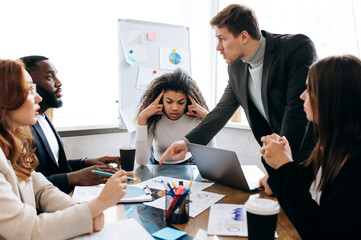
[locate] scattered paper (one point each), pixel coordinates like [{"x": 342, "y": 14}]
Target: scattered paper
[
  {"x": 157, "y": 183},
  {"x": 228, "y": 220},
  {"x": 119, "y": 230}
]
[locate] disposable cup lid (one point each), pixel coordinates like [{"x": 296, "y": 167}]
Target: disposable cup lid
[
  {"x": 127, "y": 147},
  {"x": 262, "y": 206}
]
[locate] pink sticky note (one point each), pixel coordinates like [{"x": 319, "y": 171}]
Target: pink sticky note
[{"x": 151, "y": 36}]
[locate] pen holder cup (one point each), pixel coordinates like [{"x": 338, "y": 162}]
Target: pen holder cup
[{"x": 177, "y": 208}]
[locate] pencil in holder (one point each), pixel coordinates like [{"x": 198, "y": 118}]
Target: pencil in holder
[{"x": 177, "y": 208}]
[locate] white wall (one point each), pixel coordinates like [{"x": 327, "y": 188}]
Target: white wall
[
  {"x": 80, "y": 38},
  {"x": 239, "y": 140}
]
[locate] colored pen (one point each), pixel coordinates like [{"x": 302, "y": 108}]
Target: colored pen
[
  {"x": 102, "y": 173},
  {"x": 174, "y": 187},
  {"x": 170, "y": 189},
  {"x": 110, "y": 174}
]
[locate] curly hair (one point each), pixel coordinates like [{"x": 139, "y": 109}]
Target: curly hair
[
  {"x": 16, "y": 144},
  {"x": 178, "y": 81}
]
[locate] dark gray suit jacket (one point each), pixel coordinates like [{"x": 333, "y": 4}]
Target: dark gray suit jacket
[
  {"x": 286, "y": 62},
  {"x": 47, "y": 165}
]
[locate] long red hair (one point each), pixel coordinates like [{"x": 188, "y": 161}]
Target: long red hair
[{"x": 17, "y": 144}]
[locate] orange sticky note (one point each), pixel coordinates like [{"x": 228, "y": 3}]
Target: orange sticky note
[{"x": 151, "y": 36}]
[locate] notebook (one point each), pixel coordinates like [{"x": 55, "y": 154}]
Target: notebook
[
  {"x": 134, "y": 193},
  {"x": 224, "y": 167}
]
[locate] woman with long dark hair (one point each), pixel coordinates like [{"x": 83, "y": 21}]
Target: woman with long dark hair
[
  {"x": 22, "y": 190},
  {"x": 171, "y": 107},
  {"x": 320, "y": 197}
]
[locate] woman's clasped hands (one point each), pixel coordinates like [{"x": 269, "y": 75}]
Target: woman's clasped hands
[{"x": 276, "y": 150}]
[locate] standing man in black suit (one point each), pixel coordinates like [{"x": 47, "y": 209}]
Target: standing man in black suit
[
  {"x": 53, "y": 163},
  {"x": 267, "y": 74}
]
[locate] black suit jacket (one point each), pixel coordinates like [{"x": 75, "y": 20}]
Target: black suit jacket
[
  {"x": 286, "y": 62},
  {"x": 47, "y": 164},
  {"x": 338, "y": 214}
]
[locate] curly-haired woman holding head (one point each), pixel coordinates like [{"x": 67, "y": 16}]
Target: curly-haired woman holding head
[{"x": 171, "y": 107}]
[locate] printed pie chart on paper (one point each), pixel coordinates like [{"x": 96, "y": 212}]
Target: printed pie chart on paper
[
  {"x": 174, "y": 58},
  {"x": 133, "y": 192}
]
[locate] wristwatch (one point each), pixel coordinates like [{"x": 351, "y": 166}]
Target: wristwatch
[{"x": 82, "y": 162}]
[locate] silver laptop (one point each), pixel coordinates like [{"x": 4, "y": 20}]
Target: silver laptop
[{"x": 223, "y": 166}]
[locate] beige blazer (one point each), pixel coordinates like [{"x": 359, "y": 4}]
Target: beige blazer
[{"x": 62, "y": 217}]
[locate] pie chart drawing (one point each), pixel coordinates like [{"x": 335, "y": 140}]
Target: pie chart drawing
[{"x": 174, "y": 58}]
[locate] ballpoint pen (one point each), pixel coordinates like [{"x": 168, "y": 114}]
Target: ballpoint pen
[
  {"x": 170, "y": 189},
  {"x": 111, "y": 174}
]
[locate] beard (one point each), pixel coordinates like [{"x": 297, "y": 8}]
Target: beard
[{"x": 49, "y": 99}]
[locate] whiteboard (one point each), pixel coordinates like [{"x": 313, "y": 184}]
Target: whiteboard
[{"x": 146, "y": 51}]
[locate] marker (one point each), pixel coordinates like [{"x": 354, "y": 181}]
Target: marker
[{"x": 110, "y": 174}]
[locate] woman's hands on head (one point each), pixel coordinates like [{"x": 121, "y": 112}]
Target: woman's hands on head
[
  {"x": 196, "y": 110},
  {"x": 276, "y": 150},
  {"x": 153, "y": 109}
]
